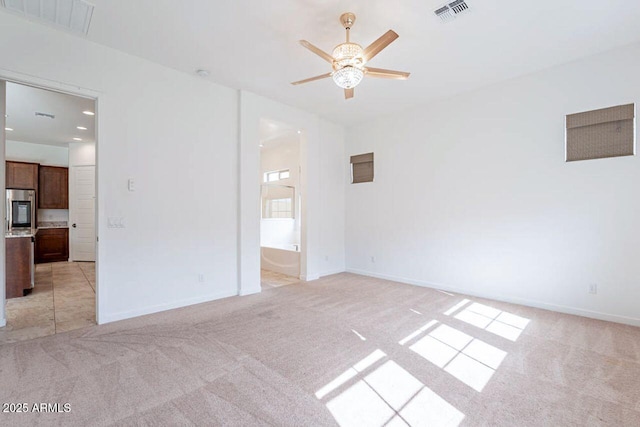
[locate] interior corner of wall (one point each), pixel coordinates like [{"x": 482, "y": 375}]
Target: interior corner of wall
[{"x": 245, "y": 292}]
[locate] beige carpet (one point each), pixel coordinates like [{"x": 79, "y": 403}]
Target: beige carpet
[{"x": 344, "y": 349}]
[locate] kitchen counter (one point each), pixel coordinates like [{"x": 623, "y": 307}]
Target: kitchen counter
[
  {"x": 53, "y": 224},
  {"x": 20, "y": 233}
]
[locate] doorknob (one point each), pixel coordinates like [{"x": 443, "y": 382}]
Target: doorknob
[{"x": 73, "y": 225}]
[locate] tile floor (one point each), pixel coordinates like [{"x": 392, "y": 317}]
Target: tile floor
[
  {"x": 63, "y": 299},
  {"x": 271, "y": 279}
]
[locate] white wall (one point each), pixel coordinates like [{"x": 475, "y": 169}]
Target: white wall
[
  {"x": 56, "y": 215},
  {"x": 321, "y": 144},
  {"x": 176, "y": 135},
  {"x": 472, "y": 194},
  {"x": 333, "y": 170},
  {"x": 82, "y": 154},
  {"x": 37, "y": 153}
]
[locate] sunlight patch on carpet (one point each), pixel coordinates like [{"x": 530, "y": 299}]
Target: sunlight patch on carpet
[{"x": 468, "y": 359}]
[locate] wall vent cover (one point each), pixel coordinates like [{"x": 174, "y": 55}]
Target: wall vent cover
[
  {"x": 450, "y": 11},
  {"x": 45, "y": 115},
  {"x": 71, "y": 15}
]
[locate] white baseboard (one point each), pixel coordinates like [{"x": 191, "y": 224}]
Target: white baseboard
[
  {"x": 113, "y": 317},
  {"x": 3, "y": 323},
  {"x": 506, "y": 298},
  {"x": 245, "y": 292},
  {"x": 332, "y": 272},
  {"x": 309, "y": 277}
]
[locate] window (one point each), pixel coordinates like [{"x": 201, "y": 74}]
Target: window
[
  {"x": 362, "y": 168},
  {"x": 278, "y": 201},
  {"x": 278, "y": 208},
  {"x": 276, "y": 175},
  {"x": 597, "y": 134}
]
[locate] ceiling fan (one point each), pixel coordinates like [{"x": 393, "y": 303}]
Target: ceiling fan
[{"x": 349, "y": 59}]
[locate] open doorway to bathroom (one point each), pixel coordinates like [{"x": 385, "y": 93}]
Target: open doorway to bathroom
[
  {"x": 281, "y": 219},
  {"x": 50, "y": 282}
]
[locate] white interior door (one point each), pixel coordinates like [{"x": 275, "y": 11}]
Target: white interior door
[{"x": 82, "y": 213}]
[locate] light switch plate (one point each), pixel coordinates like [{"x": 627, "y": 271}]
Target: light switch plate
[{"x": 115, "y": 222}]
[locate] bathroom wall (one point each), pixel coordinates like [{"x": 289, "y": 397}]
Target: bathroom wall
[{"x": 278, "y": 154}]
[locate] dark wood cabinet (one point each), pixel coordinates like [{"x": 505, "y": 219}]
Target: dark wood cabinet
[
  {"x": 52, "y": 245},
  {"x": 53, "y": 187},
  {"x": 18, "y": 263},
  {"x": 22, "y": 175}
]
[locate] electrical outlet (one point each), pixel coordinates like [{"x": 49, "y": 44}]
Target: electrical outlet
[
  {"x": 326, "y": 257},
  {"x": 373, "y": 259},
  {"x": 593, "y": 288},
  {"x": 201, "y": 278}
]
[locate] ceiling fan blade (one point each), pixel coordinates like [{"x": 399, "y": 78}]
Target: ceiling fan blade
[
  {"x": 321, "y": 53},
  {"x": 311, "y": 79},
  {"x": 348, "y": 93},
  {"x": 374, "y": 48},
  {"x": 386, "y": 74}
]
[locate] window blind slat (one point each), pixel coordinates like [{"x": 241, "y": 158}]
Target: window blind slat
[
  {"x": 604, "y": 115},
  {"x": 362, "y": 158}
]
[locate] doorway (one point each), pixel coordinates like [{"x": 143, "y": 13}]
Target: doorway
[
  {"x": 52, "y": 134},
  {"x": 280, "y": 200}
]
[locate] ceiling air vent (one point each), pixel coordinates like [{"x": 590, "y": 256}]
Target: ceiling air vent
[
  {"x": 46, "y": 115},
  {"x": 71, "y": 15},
  {"x": 450, "y": 11}
]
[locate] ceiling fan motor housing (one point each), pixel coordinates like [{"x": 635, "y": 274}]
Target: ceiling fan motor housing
[{"x": 347, "y": 20}]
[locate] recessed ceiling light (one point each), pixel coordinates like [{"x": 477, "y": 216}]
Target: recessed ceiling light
[
  {"x": 261, "y": 145},
  {"x": 89, "y": 113},
  {"x": 81, "y": 128},
  {"x": 77, "y": 139},
  {"x": 9, "y": 129},
  {"x": 299, "y": 132}
]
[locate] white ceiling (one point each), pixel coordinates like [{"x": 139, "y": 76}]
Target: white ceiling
[
  {"x": 274, "y": 134},
  {"x": 252, "y": 44},
  {"x": 24, "y": 101}
]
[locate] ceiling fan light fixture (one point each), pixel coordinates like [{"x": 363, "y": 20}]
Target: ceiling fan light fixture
[
  {"x": 348, "y": 77},
  {"x": 348, "y": 59},
  {"x": 348, "y": 54}
]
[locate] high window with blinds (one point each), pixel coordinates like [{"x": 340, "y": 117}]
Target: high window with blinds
[
  {"x": 597, "y": 134},
  {"x": 362, "y": 168}
]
